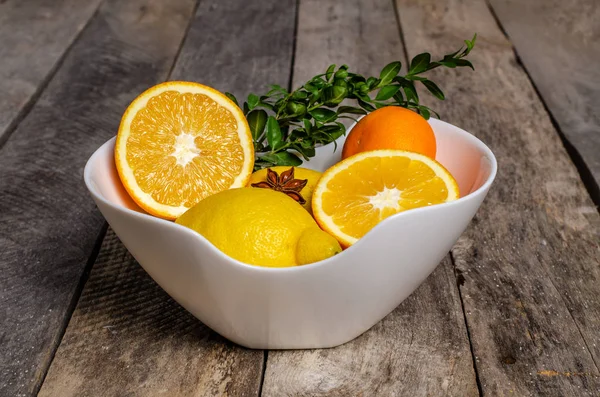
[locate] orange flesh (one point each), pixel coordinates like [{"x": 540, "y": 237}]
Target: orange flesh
[
  {"x": 182, "y": 148},
  {"x": 367, "y": 192}
]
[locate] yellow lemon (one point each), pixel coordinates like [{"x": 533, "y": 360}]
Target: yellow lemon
[
  {"x": 260, "y": 227},
  {"x": 281, "y": 180}
]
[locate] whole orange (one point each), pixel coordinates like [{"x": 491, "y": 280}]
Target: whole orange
[{"x": 391, "y": 127}]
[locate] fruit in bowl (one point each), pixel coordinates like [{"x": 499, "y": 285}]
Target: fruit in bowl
[
  {"x": 391, "y": 127},
  {"x": 358, "y": 193},
  {"x": 297, "y": 182},
  {"x": 260, "y": 227},
  {"x": 242, "y": 259},
  {"x": 312, "y": 306}
]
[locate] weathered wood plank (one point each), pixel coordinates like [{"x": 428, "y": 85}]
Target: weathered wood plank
[
  {"x": 127, "y": 337},
  {"x": 530, "y": 260},
  {"x": 157, "y": 348},
  {"x": 563, "y": 63},
  {"x": 420, "y": 349},
  {"x": 34, "y": 35},
  {"x": 239, "y": 46},
  {"x": 48, "y": 223}
]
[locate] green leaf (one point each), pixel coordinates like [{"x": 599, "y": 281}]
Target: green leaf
[
  {"x": 314, "y": 90},
  {"x": 362, "y": 97},
  {"x": 274, "y": 136},
  {"x": 307, "y": 125},
  {"x": 387, "y": 92},
  {"x": 411, "y": 92},
  {"x": 296, "y": 108},
  {"x": 336, "y": 94},
  {"x": 281, "y": 158},
  {"x": 246, "y": 108},
  {"x": 357, "y": 78},
  {"x": 307, "y": 143},
  {"x": 257, "y": 119},
  {"x": 435, "y": 113},
  {"x": 305, "y": 152},
  {"x": 419, "y": 63},
  {"x": 361, "y": 88},
  {"x": 449, "y": 63},
  {"x": 349, "y": 118},
  {"x": 318, "y": 82},
  {"x": 323, "y": 115},
  {"x": 413, "y": 78},
  {"x": 299, "y": 95},
  {"x": 332, "y": 132},
  {"x": 372, "y": 82},
  {"x": 341, "y": 73},
  {"x": 350, "y": 109},
  {"x": 424, "y": 111},
  {"x": 452, "y": 55},
  {"x": 365, "y": 105},
  {"x": 434, "y": 89},
  {"x": 232, "y": 97},
  {"x": 265, "y": 105},
  {"x": 315, "y": 97},
  {"x": 399, "y": 98},
  {"x": 277, "y": 88},
  {"x": 253, "y": 101},
  {"x": 329, "y": 72},
  {"x": 309, "y": 151},
  {"x": 464, "y": 62},
  {"x": 470, "y": 44},
  {"x": 388, "y": 73}
]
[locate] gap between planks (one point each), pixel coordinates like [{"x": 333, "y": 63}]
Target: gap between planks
[
  {"x": 583, "y": 169},
  {"x": 44, "y": 80},
  {"x": 50, "y": 225},
  {"x": 96, "y": 250},
  {"x": 391, "y": 357},
  {"x": 270, "y": 55},
  {"x": 73, "y": 304},
  {"x": 532, "y": 274}
]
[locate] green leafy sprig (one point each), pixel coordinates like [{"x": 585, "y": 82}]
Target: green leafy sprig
[{"x": 287, "y": 126}]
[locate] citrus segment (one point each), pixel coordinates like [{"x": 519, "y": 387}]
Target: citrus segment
[
  {"x": 356, "y": 194},
  {"x": 180, "y": 142}
]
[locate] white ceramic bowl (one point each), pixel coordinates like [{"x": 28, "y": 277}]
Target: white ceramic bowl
[{"x": 314, "y": 306}]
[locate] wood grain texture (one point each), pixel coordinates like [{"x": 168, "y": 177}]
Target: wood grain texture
[
  {"x": 48, "y": 223},
  {"x": 34, "y": 35},
  {"x": 239, "y": 46},
  {"x": 127, "y": 337},
  {"x": 421, "y": 348},
  {"x": 345, "y": 33},
  {"x": 529, "y": 262},
  {"x": 559, "y": 45}
]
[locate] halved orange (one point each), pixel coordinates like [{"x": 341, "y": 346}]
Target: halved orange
[
  {"x": 180, "y": 142},
  {"x": 359, "y": 192}
]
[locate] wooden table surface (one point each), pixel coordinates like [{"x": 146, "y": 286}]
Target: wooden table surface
[{"x": 513, "y": 310}]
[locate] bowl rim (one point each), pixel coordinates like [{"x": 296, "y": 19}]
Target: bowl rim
[{"x": 248, "y": 267}]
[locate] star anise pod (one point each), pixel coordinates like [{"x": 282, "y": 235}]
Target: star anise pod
[{"x": 284, "y": 183}]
